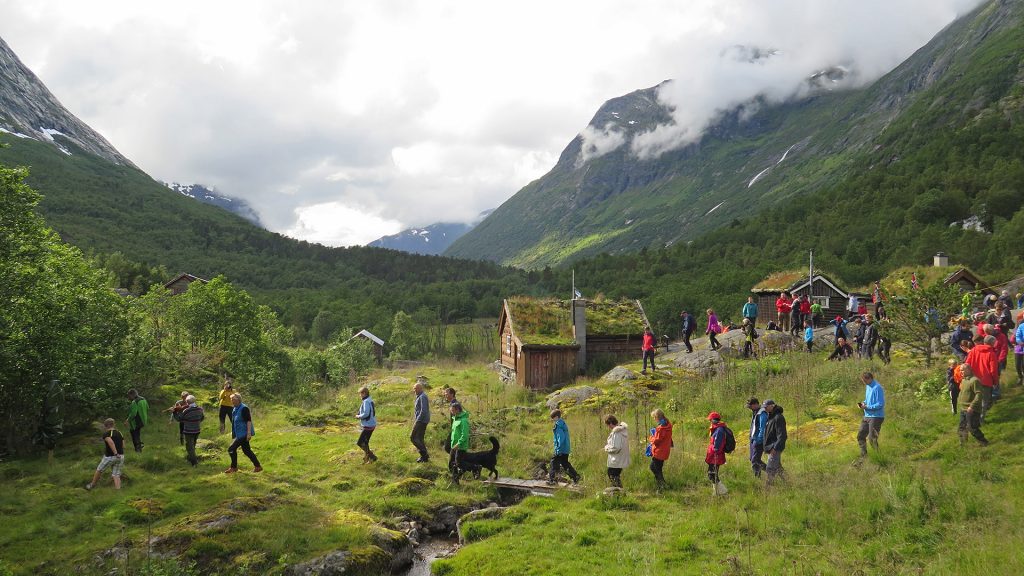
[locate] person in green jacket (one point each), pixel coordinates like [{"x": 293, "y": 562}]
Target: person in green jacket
[
  {"x": 459, "y": 438},
  {"x": 138, "y": 417}
]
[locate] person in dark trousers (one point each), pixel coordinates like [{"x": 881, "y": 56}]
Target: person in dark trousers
[
  {"x": 1018, "y": 351},
  {"x": 459, "y": 438},
  {"x": 617, "y": 448},
  {"x": 842, "y": 352},
  {"x": 242, "y": 432},
  {"x": 715, "y": 456},
  {"x": 774, "y": 440},
  {"x": 225, "y": 402},
  {"x": 713, "y": 330},
  {"x": 960, "y": 335},
  {"x": 661, "y": 447},
  {"x": 970, "y": 407},
  {"x": 178, "y": 406},
  {"x": 190, "y": 418},
  {"x": 367, "y": 416},
  {"x": 750, "y": 311},
  {"x": 421, "y": 417},
  {"x": 870, "y": 338},
  {"x": 689, "y": 325},
  {"x": 795, "y": 315},
  {"x": 649, "y": 342},
  {"x": 758, "y": 419},
  {"x": 749, "y": 335},
  {"x": 113, "y": 455},
  {"x": 809, "y": 336},
  {"x": 954, "y": 377},
  {"x": 561, "y": 457},
  {"x": 874, "y": 413},
  {"x": 138, "y": 418}
]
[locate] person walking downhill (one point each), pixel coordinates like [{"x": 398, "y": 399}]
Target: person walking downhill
[
  {"x": 459, "y": 439},
  {"x": 970, "y": 406},
  {"x": 713, "y": 330},
  {"x": 954, "y": 378},
  {"x": 715, "y": 456},
  {"x": 177, "y": 407},
  {"x": 560, "y": 459},
  {"x": 190, "y": 418},
  {"x": 421, "y": 417},
  {"x": 242, "y": 432},
  {"x": 113, "y": 455},
  {"x": 648, "y": 349},
  {"x": 874, "y": 413},
  {"x": 750, "y": 311},
  {"x": 138, "y": 417},
  {"x": 617, "y": 448},
  {"x": 775, "y": 435},
  {"x": 984, "y": 366},
  {"x": 758, "y": 419},
  {"x": 661, "y": 447},
  {"x": 367, "y": 416},
  {"x": 1001, "y": 347},
  {"x": 226, "y": 407},
  {"x": 688, "y": 328},
  {"x": 783, "y": 306}
]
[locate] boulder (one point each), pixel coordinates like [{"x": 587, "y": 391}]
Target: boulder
[
  {"x": 396, "y": 544},
  {"x": 481, "y": 514},
  {"x": 700, "y": 362},
  {"x": 618, "y": 374},
  {"x": 574, "y": 395},
  {"x": 445, "y": 520}
]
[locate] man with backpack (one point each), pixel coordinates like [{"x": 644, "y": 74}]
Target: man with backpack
[
  {"x": 720, "y": 442},
  {"x": 757, "y": 422},
  {"x": 689, "y": 325},
  {"x": 774, "y": 439}
]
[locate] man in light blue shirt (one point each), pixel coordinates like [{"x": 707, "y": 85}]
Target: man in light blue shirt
[
  {"x": 367, "y": 416},
  {"x": 874, "y": 413},
  {"x": 750, "y": 310}
]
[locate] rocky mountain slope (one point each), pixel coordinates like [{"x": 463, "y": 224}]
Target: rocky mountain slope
[
  {"x": 209, "y": 196},
  {"x": 744, "y": 163},
  {"x": 432, "y": 239}
]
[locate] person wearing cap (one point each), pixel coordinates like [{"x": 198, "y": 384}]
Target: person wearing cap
[
  {"x": 841, "y": 331},
  {"x": 970, "y": 407},
  {"x": 774, "y": 439},
  {"x": 758, "y": 419},
  {"x": 661, "y": 447},
  {"x": 225, "y": 402},
  {"x": 459, "y": 437},
  {"x": 715, "y": 456},
  {"x": 190, "y": 418},
  {"x": 874, "y": 413}
]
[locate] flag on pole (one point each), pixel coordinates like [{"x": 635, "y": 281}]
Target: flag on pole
[
  {"x": 913, "y": 280},
  {"x": 877, "y": 295},
  {"x": 577, "y": 294}
]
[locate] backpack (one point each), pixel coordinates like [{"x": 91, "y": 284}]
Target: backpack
[{"x": 730, "y": 440}]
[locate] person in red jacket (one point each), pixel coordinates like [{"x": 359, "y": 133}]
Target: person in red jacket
[
  {"x": 648, "y": 349},
  {"x": 985, "y": 365},
  {"x": 661, "y": 446},
  {"x": 805, "y": 310},
  {"x": 715, "y": 456},
  {"x": 784, "y": 305},
  {"x": 1002, "y": 350}
]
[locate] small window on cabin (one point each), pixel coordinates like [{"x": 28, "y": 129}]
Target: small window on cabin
[
  {"x": 823, "y": 300},
  {"x": 508, "y": 344}
]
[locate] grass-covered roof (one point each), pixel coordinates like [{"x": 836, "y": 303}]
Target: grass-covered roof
[
  {"x": 549, "y": 321},
  {"x": 898, "y": 281},
  {"x": 780, "y": 281}
]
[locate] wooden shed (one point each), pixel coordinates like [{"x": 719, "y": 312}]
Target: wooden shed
[
  {"x": 180, "y": 283},
  {"x": 834, "y": 299},
  {"x": 546, "y": 343},
  {"x": 378, "y": 344}
]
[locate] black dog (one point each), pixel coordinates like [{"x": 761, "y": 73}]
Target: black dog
[{"x": 475, "y": 462}]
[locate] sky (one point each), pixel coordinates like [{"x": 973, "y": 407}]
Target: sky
[{"x": 342, "y": 121}]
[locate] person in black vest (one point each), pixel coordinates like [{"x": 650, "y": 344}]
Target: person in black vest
[
  {"x": 190, "y": 417},
  {"x": 113, "y": 455}
]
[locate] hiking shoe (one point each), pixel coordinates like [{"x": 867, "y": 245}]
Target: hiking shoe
[
  {"x": 258, "y": 469},
  {"x": 551, "y": 483},
  {"x": 231, "y": 470},
  {"x": 89, "y": 486},
  {"x": 422, "y": 459}
]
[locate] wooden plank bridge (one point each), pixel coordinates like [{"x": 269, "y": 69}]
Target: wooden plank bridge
[{"x": 535, "y": 487}]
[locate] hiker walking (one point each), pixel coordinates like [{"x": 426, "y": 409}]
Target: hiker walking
[
  {"x": 817, "y": 312},
  {"x": 870, "y": 338},
  {"x": 660, "y": 447},
  {"x": 242, "y": 432},
  {"x": 970, "y": 406},
  {"x": 226, "y": 407},
  {"x": 138, "y": 417},
  {"x": 783, "y": 306},
  {"x": 617, "y": 448},
  {"x": 985, "y": 366},
  {"x": 750, "y": 310},
  {"x": 713, "y": 330},
  {"x": 648, "y": 345},
  {"x": 749, "y": 334},
  {"x": 689, "y": 326},
  {"x": 113, "y": 455},
  {"x": 367, "y": 416},
  {"x": 1018, "y": 351},
  {"x": 874, "y": 413},
  {"x": 560, "y": 460},
  {"x": 421, "y": 417},
  {"x": 758, "y": 419},
  {"x": 809, "y": 336},
  {"x": 795, "y": 315},
  {"x": 715, "y": 456},
  {"x": 189, "y": 419},
  {"x": 774, "y": 439},
  {"x": 459, "y": 439},
  {"x": 954, "y": 378},
  {"x": 177, "y": 407}
]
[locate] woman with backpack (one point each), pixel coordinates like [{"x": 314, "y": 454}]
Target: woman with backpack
[
  {"x": 661, "y": 446},
  {"x": 719, "y": 437}
]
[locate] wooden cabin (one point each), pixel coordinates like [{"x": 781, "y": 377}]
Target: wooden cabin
[
  {"x": 179, "y": 284},
  {"x": 378, "y": 344},
  {"x": 834, "y": 300},
  {"x": 546, "y": 343}
]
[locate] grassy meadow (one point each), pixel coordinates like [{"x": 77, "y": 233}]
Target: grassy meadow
[{"x": 922, "y": 505}]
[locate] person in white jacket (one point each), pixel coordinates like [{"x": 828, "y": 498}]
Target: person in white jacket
[{"x": 617, "y": 448}]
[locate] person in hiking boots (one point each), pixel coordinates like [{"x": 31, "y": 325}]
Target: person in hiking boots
[
  {"x": 421, "y": 417},
  {"x": 783, "y": 306},
  {"x": 138, "y": 417},
  {"x": 985, "y": 366},
  {"x": 774, "y": 439},
  {"x": 750, "y": 311},
  {"x": 749, "y": 334},
  {"x": 688, "y": 327},
  {"x": 713, "y": 330},
  {"x": 367, "y": 416},
  {"x": 715, "y": 456},
  {"x": 758, "y": 419},
  {"x": 617, "y": 448},
  {"x": 459, "y": 437},
  {"x": 190, "y": 418},
  {"x": 560, "y": 459},
  {"x": 661, "y": 447},
  {"x": 113, "y": 455},
  {"x": 970, "y": 407},
  {"x": 226, "y": 407},
  {"x": 649, "y": 342},
  {"x": 242, "y": 432},
  {"x": 176, "y": 408},
  {"x": 874, "y": 413}
]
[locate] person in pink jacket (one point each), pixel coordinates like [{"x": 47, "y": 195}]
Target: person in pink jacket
[{"x": 713, "y": 330}]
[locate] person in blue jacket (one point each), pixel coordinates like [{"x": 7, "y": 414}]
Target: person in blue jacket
[
  {"x": 757, "y": 423},
  {"x": 561, "y": 457},
  {"x": 874, "y": 413},
  {"x": 242, "y": 432},
  {"x": 367, "y": 416},
  {"x": 750, "y": 310}
]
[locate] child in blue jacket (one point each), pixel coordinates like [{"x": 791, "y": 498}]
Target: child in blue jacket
[{"x": 561, "y": 457}]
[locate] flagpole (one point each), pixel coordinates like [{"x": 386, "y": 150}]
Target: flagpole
[
  {"x": 573, "y": 283},
  {"x": 810, "y": 277}
]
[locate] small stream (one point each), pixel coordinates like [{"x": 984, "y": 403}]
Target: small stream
[{"x": 427, "y": 552}]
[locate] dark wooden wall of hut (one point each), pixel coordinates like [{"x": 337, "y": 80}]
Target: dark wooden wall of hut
[{"x": 545, "y": 368}]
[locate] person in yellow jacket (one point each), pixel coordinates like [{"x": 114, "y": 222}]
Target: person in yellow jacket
[{"x": 225, "y": 402}]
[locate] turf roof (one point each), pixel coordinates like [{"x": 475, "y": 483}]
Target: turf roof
[
  {"x": 779, "y": 281},
  {"x": 549, "y": 321}
]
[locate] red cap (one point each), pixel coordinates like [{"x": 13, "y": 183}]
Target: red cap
[{"x": 714, "y": 416}]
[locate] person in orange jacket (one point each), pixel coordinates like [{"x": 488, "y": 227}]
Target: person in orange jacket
[
  {"x": 715, "y": 456},
  {"x": 661, "y": 446}
]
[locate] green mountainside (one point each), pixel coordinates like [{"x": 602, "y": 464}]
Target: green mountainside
[{"x": 618, "y": 203}]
